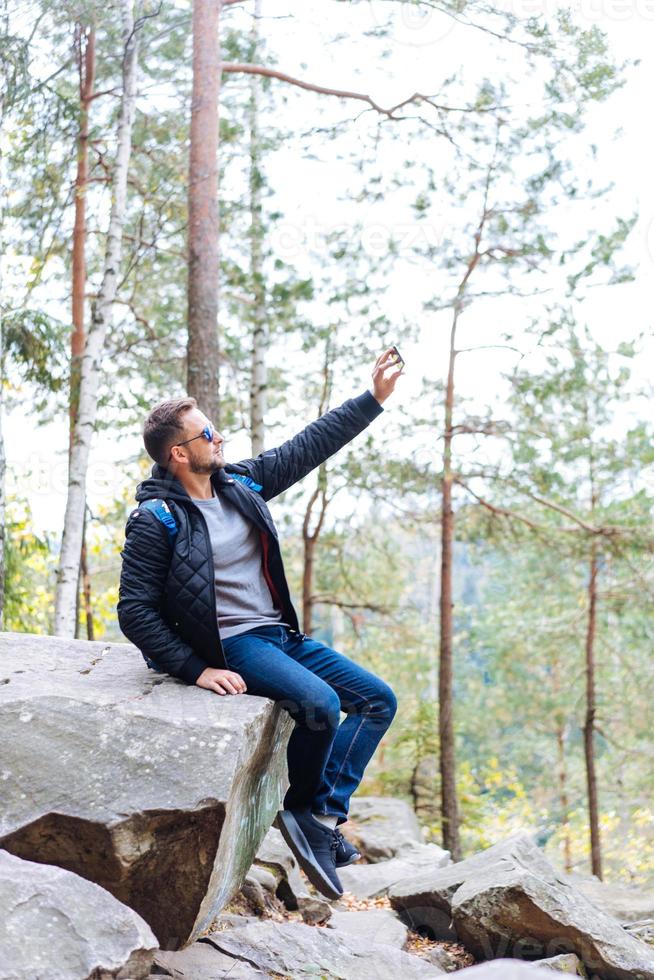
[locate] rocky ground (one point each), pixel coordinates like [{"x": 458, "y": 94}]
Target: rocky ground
[
  {"x": 400, "y": 913},
  {"x": 134, "y": 808}
]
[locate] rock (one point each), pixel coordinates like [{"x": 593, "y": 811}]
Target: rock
[
  {"x": 627, "y": 903},
  {"x": 258, "y": 899},
  {"x": 505, "y": 969},
  {"x": 443, "y": 957},
  {"x": 508, "y": 899},
  {"x": 382, "y": 826},
  {"x": 297, "y": 950},
  {"x": 158, "y": 791},
  {"x": 526, "y": 909},
  {"x": 294, "y": 893},
  {"x": 565, "y": 963},
  {"x": 275, "y": 857},
  {"x": 264, "y": 878},
  {"x": 437, "y": 885},
  {"x": 202, "y": 961},
  {"x": 231, "y": 920},
  {"x": 371, "y": 880},
  {"x": 371, "y": 925},
  {"x": 274, "y": 854},
  {"x": 58, "y": 926}
]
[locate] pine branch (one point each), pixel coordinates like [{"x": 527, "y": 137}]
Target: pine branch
[{"x": 416, "y": 99}]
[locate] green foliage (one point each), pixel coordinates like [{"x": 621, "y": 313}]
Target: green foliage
[
  {"x": 34, "y": 343},
  {"x": 29, "y": 573}
]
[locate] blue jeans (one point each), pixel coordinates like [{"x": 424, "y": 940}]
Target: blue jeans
[{"x": 314, "y": 683}]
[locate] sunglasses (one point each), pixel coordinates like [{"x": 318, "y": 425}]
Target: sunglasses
[{"x": 207, "y": 433}]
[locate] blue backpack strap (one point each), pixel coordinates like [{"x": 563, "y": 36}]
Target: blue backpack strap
[
  {"x": 247, "y": 481},
  {"x": 161, "y": 511}
]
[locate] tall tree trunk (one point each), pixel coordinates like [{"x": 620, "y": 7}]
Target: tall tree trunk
[
  {"x": 258, "y": 377},
  {"x": 589, "y": 725},
  {"x": 449, "y": 803},
  {"x": 309, "y": 537},
  {"x": 85, "y": 44},
  {"x": 203, "y": 342},
  {"x": 309, "y": 542},
  {"x": 85, "y": 50},
  {"x": 71, "y": 544},
  {"x": 447, "y": 748}
]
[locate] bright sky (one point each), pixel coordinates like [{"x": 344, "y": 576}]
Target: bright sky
[{"x": 423, "y": 49}]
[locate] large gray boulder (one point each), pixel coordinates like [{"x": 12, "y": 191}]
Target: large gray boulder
[
  {"x": 58, "y": 926},
  {"x": 382, "y": 826},
  {"x": 298, "y": 950},
  {"x": 373, "y": 880},
  {"x": 159, "y": 791},
  {"x": 509, "y": 900}
]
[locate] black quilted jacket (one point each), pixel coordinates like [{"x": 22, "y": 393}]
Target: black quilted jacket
[{"x": 167, "y": 600}]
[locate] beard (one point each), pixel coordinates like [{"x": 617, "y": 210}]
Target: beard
[{"x": 212, "y": 466}]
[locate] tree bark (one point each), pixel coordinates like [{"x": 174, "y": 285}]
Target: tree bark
[
  {"x": 85, "y": 50},
  {"x": 258, "y": 376},
  {"x": 203, "y": 351},
  {"x": 69, "y": 560},
  {"x": 589, "y": 726}
]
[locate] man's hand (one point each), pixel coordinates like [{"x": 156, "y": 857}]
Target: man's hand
[
  {"x": 221, "y": 681},
  {"x": 383, "y": 386}
]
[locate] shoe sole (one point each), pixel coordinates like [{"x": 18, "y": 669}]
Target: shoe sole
[{"x": 292, "y": 833}]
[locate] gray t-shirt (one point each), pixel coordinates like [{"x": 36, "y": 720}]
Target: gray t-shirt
[{"x": 243, "y": 599}]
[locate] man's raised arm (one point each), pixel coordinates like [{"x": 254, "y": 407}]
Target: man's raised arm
[{"x": 275, "y": 470}]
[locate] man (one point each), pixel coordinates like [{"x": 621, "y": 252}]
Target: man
[{"x": 204, "y": 596}]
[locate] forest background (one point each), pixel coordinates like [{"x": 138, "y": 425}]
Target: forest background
[{"x": 470, "y": 181}]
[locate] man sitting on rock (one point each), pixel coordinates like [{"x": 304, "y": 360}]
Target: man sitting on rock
[{"x": 204, "y": 596}]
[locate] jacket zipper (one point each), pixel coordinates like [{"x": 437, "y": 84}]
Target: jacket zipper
[
  {"x": 266, "y": 571},
  {"x": 207, "y": 538}
]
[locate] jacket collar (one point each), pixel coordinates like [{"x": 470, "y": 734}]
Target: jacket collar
[{"x": 161, "y": 483}]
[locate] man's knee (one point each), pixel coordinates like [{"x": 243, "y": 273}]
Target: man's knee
[
  {"x": 316, "y": 710},
  {"x": 384, "y": 705},
  {"x": 391, "y": 702}
]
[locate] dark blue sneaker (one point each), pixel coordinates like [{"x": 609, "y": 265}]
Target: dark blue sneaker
[
  {"x": 346, "y": 853},
  {"x": 314, "y": 847}
]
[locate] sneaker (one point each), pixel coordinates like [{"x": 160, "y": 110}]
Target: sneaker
[
  {"x": 314, "y": 847},
  {"x": 346, "y": 853}
]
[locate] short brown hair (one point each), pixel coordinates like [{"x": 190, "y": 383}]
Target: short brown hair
[{"x": 164, "y": 426}]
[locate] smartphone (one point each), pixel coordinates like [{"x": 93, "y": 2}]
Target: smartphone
[{"x": 400, "y": 359}]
